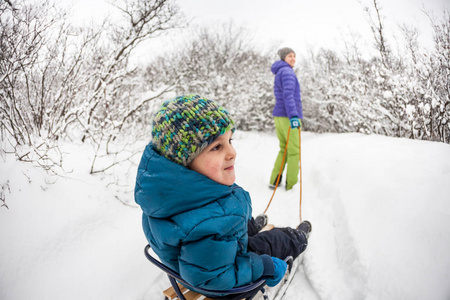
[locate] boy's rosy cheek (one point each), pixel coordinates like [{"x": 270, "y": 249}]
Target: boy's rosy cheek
[
  {"x": 214, "y": 167},
  {"x": 208, "y": 165}
]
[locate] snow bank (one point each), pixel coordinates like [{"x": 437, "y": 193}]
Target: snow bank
[{"x": 380, "y": 209}]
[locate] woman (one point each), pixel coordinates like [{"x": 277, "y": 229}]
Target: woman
[{"x": 287, "y": 113}]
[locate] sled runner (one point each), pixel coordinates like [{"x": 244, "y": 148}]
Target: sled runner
[{"x": 286, "y": 282}]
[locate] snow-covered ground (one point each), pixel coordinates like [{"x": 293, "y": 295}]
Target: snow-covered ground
[{"x": 380, "y": 209}]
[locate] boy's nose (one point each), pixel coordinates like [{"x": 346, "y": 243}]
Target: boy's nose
[{"x": 231, "y": 153}]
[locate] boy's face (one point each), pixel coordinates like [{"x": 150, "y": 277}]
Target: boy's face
[{"x": 217, "y": 160}]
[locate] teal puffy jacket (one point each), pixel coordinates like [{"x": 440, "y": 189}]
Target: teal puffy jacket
[{"x": 195, "y": 225}]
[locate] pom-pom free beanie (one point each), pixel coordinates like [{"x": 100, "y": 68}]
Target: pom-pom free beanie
[
  {"x": 186, "y": 125},
  {"x": 285, "y": 51}
]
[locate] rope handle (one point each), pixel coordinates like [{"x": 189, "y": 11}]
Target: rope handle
[
  {"x": 300, "y": 166},
  {"x": 281, "y": 170}
]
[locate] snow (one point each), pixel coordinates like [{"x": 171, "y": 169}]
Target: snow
[{"x": 379, "y": 206}]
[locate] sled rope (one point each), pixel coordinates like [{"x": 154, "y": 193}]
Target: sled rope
[
  {"x": 281, "y": 170},
  {"x": 300, "y": 166}
]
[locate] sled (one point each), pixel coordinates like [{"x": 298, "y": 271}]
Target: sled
[
  {"x": 182, "y": 289},
  {"x": 170, "y": 294},
  {"x": 267, "y": 227}
]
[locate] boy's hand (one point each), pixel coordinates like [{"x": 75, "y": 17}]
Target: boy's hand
[
  {"x": 280, "y": 270},
  {"x": 295, "y": 122}
]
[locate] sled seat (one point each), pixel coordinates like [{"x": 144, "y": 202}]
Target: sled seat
[
  {"x": 171, "y": 294},
  {"x": 267, "y": 227},
  {"x": 181, "y": 290}
]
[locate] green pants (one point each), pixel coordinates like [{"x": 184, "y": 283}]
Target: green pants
[{"x": 282, "y": 126}]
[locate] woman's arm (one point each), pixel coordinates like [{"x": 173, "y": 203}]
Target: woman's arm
[{"x": 289, "y": 82}]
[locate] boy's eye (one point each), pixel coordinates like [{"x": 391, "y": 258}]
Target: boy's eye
[
  {"x": 230, "y": 140},
  {"x": 216, "y": 148}
]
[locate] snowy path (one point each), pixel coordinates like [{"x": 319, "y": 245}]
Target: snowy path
[
  {"x": 301, "y": 288},
  {"x": 363, "y": 194}
]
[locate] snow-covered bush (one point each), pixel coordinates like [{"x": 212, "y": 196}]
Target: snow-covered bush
[
  {"x": 394, "y": 95},
  {"x": 436, "y": 81},
  {"x": 59, "y": 81},
  {"x": 221, "y": 63},
  {"x": 401, "y": 95}
]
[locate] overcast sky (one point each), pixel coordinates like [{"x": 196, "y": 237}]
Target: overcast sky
[{"x": 301, "y": 24}]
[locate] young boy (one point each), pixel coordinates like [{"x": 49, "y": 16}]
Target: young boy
[{"x": 195, "y": 218}]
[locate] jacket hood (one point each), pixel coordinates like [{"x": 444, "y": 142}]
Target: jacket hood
[
  {"x": 164, "y": 188},
  {"x": 276, "y": 66}
]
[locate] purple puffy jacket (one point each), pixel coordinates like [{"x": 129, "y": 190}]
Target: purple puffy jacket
[{"x": 287, "y": 91}]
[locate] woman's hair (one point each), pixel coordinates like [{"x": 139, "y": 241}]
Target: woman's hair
[{"x": 285, "y": 51}]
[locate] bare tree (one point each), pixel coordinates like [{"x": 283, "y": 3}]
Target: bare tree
[
  {"x": 3, "y": 188},
  {"x": 221, "y": 62},
  {"x": 112, "y": 102},
  {"x": 411, "y": 35},
  {"x": 438, "y": 79},
  {"x": 377, "y": 27},
  {"x": 26, "y": 79},
  {"x": 352, "y": 48},
  {"x": 56, "y": 79}
]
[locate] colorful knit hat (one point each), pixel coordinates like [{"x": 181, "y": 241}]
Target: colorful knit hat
[
  {"x": 186, "y": 125},
  {"x": 285, "y": 51}
]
